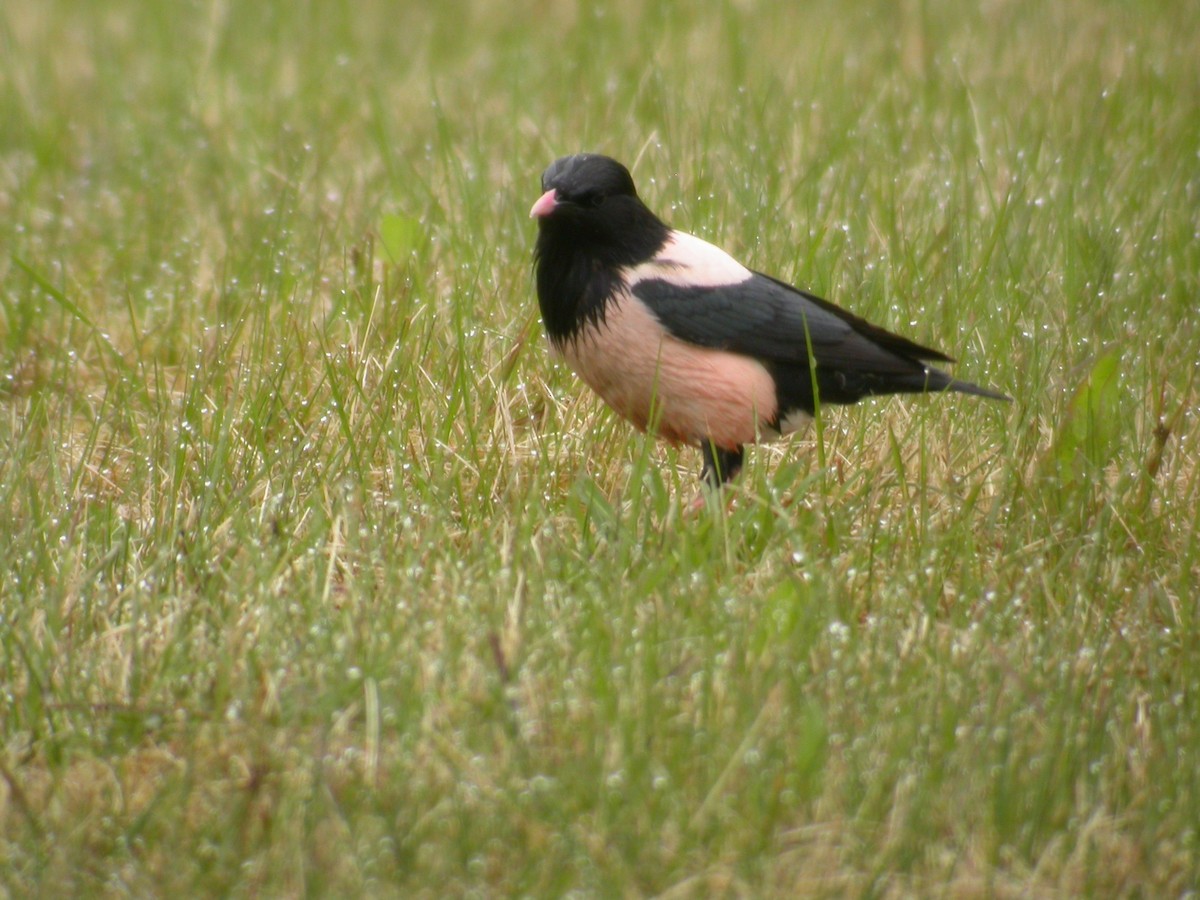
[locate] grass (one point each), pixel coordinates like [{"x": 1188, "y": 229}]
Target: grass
[{"x": 319, "y": 577}]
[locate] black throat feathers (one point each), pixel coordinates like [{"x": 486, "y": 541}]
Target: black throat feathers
[{"x": 579, "y": 257}]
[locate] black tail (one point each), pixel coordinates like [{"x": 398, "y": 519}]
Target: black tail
[
  {"x": 794, "y": 385},
  {"x": 935, "y": 380}
]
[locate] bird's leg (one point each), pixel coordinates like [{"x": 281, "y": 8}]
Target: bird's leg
[{"x": 720, "y": 465}]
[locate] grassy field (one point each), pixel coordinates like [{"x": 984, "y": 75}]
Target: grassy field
[{"x": 319, "y": 577}]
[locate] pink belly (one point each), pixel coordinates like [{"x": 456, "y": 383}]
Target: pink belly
[{"x": 681, "y": 392}]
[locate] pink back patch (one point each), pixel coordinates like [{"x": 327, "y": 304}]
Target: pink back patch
[{"x": 687, "y": 259}]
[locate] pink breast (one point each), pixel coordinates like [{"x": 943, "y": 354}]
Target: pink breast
[{"x": 681, "y": 392}]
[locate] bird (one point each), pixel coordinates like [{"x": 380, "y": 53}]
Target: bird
[{"x": 688, "y": 344}]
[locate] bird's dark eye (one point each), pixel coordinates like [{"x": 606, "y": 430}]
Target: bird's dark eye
[{"x": 594, "y": 199}]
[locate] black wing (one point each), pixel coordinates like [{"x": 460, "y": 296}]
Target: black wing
[
  {"x": 768, "y": 319},
  {"x": 777, "y": 323}
]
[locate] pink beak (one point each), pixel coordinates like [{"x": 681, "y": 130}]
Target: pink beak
[{"x": 545, "y": 205}]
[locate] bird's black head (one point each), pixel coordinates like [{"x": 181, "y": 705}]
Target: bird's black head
[
  {"x": 591, "y": 224},
  {"x": 588, "y": 180},
  {"x": 591, "y": 199}
]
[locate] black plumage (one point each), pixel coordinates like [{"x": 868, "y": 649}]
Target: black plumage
[{"x": 598, "y": 227}]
